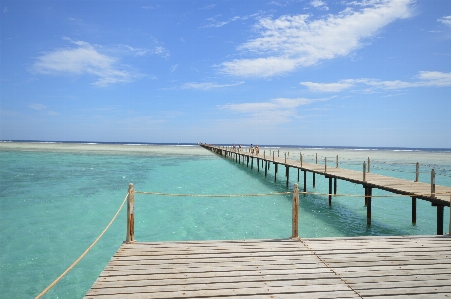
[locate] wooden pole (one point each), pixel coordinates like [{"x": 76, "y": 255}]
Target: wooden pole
[
  {"x": 368, "y": 164},
  {"x": 364, "y": 171},
  {"x": 336, "y": 162},
  {"x": 301, "y": 158},
  {"x": 298, "y": 175},
  {"x": 285, "y": 158},
  {"x": 368, "y": 207},
  {"x": 433, "y": 183},
  {"x": 417, "y": 172},
  {"x": 330, "y": 191},
  {"x": 295, "y": 213},
  {"x": 440, "y": 209},
  {"x": 130, "y": 237},
  {"x": 314, "y": 180},
  {"x": 266, "y": 168},
  {"x": 305, "y": 180},
  {"x": 325, "y": 164},
  {"x": 335, "y": 185},
  {"x": 414, "y": 210},
  {"x": 287, "y": 173}
]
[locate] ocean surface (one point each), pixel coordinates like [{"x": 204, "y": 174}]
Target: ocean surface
[{"x": 56, "y": 198}]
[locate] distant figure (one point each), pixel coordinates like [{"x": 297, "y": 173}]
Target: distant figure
[
  {"x": 257, "y": 150},
  {"x": 234, "y": 147},
  {"x": 252, "y": 149},
  {"x": 240, "y": 148}
]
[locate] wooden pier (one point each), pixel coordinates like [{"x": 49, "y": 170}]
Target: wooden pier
[
  {"x": 363, "y": 267},
  {"x": 439, "y": 196}
]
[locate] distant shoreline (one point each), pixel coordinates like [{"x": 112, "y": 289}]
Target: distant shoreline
[{"x": 262, "y": 146}]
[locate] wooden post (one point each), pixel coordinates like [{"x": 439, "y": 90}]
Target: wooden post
[
  {"x": 337, "y": 162},
  {"x": 277, "y": 153},
  {"x": 314, "y": 180},
  {"x": 266, "y": 168},
  {"x": 252, "y": 162},
  {"x": 440, "y": 209},
  {"x": 273, "y": 156},
  {"x": 335, "y": 185},
  {"x": 301, "y": 158},
  {"x": 414, "y": 210},
  {"x": 325, "y": 164},
  {"x": 364, "y": 171},
  {"x": 285, "y": 158},
  {"x": 298, "y": 175},
  {"x": 305, "y": 180},
  {"x": 417, "y": 172},
  {"x": 368, "y": 206},
  {"x": 368, "y": 164},
  {"x": 258, "y": 165},
  {"x": 275, "y": 172},
  {"x": 295, "y": 213},
  {"x": 433, "y": 183},
  {"x": 287, "y": 173},
  {"x": 130, "y": 237},
  {"x": 330, "y": 191}
]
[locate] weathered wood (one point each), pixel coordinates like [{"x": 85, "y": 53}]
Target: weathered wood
[
  {"x": 388, "y": 267},
  {"x": 295, "y": 213},
  {"x": 414, "y": 210},
  {"x": 130, "y": 214}
]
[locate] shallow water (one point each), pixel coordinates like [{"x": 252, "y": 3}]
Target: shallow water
[{"x": 57, "y": 198}]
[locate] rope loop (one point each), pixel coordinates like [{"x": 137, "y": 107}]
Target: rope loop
[{"x": 83, "y": 254}]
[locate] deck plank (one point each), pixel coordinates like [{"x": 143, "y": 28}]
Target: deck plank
[{"x": 362, "y": 267}]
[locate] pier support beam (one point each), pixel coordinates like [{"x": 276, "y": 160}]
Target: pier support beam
[
  {"x": 275, "y": 172},
  {"x": 314, "y": 181},
  {"x": 330, "y": 191},
  {"x": 368, "y": 194},
  {"x": 287, "y": 173},
  {"x": 414, "y": 210},
  {"x": 305, "y": 180},
  {"x": 440, "y": 209},
  {"x": 335, "y": 185},
  {"x": 266, "y": 168}
]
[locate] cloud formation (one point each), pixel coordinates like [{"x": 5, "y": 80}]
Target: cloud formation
[
  {"x": 43, "y": 108},
  {"x": 83, "y": 59},
  {"x": 445, "y": 20},
  {"x": 279, "y": 110},
  {"x": 425, "y": 79},
  {"x": 294, "y": 41},
  {"x": 207, "y": 85}
]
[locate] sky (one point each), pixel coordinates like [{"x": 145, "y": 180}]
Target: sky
[{"x": 373, "y": 73}]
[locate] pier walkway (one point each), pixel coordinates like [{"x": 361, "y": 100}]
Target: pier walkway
[
  {"x": 439, "y": 196},
  {"x": 362, "y": 267}
]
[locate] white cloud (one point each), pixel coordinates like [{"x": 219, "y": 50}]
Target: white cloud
[
  {"x": 297, "y": 41},
  {"x": 319, "y": 4},
  {"x": 279, "y": 110},
  {"x": 207, "y": 85},
  {"x": 426, "y": 79},
  {"x": 216, "y": 24},
  {"x": 84, "y": 59},
  {"x": 38, "y": 107},
  {"x": 445, "y": 20},
  {"x": 43, "y": 108}
]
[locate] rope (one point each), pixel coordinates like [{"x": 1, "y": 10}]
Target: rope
[
  {"x": 279, "y": 193},
  {"x": 212, "y": 195},
  {"x": 83, "y": 254}
]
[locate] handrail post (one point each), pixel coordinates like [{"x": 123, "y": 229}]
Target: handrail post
[
  {"x": 285, "y": 158},
  {"x": 417, "y": 172},
  {"x": 325, "y": 164},
  {"x": 364, "y": 171},
  {"x": 130, "y": 214},
  {"x": 301, "y": 158},
  {"x": 295, "y": 213},
  {"x": 368, "y": 164},
  {"x": 337, "y": 162},
  {"x": 433, "y": 183}
]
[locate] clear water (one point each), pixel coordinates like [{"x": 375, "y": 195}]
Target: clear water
[{"x": 55, "y": 199}]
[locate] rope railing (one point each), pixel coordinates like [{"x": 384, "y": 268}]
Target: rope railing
[
  {"x": 282, "y": 193},
  {"x": 83, "y": 254}
]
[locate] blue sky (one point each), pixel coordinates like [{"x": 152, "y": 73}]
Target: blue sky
[{"x": 344, "y": 72}]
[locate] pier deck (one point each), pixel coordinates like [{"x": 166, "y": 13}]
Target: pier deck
[
  {"x": 395, "y": 185},
  {"x": 362, "y": 267}
]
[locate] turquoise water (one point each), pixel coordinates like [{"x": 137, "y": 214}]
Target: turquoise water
[{"x": 55, "y": 201}]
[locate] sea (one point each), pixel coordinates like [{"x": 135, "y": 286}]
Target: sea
[{"x": 57, "y": 197}]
